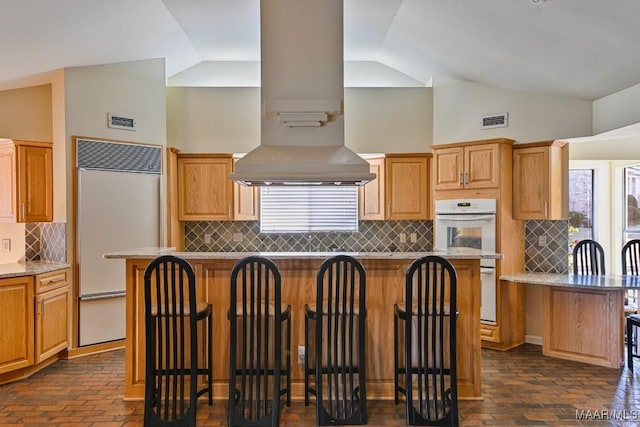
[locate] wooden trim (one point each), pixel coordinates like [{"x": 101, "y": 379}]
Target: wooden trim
[
  {"x": 74, "y": 353},
  {"x": 392, "y": 155},
  {"x": 175, "y": 227},
  {"x": 205, "y": 155},
  {"x": 550, "y": 143},
  {"x": 476, "y": 142},
  {"x": 29, "y": 143}
]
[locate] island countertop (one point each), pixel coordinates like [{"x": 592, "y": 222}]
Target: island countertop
[
  {"x": 600, "y": 282},
  {"x": 144, "y": 253}
]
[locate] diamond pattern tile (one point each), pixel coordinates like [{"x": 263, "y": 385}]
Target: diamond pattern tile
[
  {"x": 552, "y": 258},
  {"x": 46, "y": 241}
]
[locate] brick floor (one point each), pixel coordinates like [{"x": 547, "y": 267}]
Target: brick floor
[{"x": 520, "y": 388}]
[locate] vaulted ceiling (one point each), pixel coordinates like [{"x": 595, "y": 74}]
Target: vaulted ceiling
[{"x": 583, "y": 49}]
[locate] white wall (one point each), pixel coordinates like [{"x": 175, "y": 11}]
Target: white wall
[
  {"x": 228, "y": 119},
  {"x": 617, "y": 110},
  {"x": 459, "y": 106}
]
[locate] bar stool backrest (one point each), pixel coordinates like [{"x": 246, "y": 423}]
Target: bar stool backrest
[
  {"x": 255, "y": 343},
  {"x": 171, "y": 343},
  {"x": 430, "y": 342},
  {"x": 588, "y": 258},
  {"x": 631, "y": 257}
]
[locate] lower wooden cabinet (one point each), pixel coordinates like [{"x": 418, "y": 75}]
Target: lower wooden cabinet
[
  {"x": 34, "y": 314},
  {"x": 16, "y": 318},
  {"x": 52, "y": 314}
]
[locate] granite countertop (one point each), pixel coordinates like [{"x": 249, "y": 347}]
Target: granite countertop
[
  {"x": 142, "y": 253},
  {"x": 602, "y": 282},
  {"x": 29, "y": 268}
]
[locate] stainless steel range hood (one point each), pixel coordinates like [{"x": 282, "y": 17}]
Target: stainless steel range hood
[{"x": 302, "y": 91}]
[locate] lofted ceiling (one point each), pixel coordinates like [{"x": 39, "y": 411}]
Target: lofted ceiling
[{"x": 583, "y": 49}]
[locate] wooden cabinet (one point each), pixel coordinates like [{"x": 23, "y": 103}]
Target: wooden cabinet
[
  {"x": 16, "y": 318},
  {"x": 540, "y": 180},
  {"x": 26, "y": 181},
  {"x": 246, "y": 202},
  {"x": 401, "y": 190},
  {"x": 371, "y": 200},
  {"x": 205, "y": 192},
  {"x": 34, "y": 314},
  {"x": 473, "y": 165},
  {"x": 51, "y": 314}
]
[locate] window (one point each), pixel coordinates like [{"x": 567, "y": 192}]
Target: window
[
  {"x": 631, "y": 210},
  {"x": 308, "y": 209},
  {"x": 580, "y": 205}
]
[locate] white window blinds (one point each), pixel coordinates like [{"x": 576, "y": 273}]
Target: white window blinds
[{"x": 308, "y": 209}]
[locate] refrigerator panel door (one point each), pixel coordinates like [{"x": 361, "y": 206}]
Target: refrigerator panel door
[
  {"x": 116, "y": 211},
  {"x": 102, "y": 320}
]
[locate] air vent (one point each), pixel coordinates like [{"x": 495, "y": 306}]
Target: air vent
[
  {"x": 498, "y": 120},
  {"x": 120, "y": 122}
]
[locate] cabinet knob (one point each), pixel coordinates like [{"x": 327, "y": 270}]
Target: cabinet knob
[{"x": 546, "y": 209}]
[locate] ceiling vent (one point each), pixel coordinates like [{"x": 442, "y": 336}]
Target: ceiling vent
[
  {"x": 118, "y": 121},
  {"x": 497, "y": 120}
]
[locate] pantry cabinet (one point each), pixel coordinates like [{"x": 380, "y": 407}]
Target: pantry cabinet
[
  {"x": 468, "y": 166},
  {"x": 540, "y": 180},
  {"x": 26, "y": 181},
  {"x": 401, "y": 190}
]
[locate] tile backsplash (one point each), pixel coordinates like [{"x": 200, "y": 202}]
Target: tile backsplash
[
  {"x": 245, "y": 236},
  {"x": 46, "y": 241},
  {"x": 553, "y": 255}
]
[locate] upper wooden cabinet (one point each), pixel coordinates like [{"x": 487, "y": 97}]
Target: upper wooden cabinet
[
  {"x": 26, "y": 181},
  {"x": 541, "y": 180},
  {"x": 466, "y": 165},
  {"x": 401, "y": 190},
  {"x": 371, "y": 201},
  {"x": 205, "y": 192}
]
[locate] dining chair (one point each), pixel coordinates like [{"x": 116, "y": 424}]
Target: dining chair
[
  {"x": 425, "y": 343},
  {"x": 588, "y": 258},
  {"x": 172, "y": 313},
  {"x": 334, "y": 368},
  {"x": 631, "y": 266},
  {"x": 257, "y": 316}
]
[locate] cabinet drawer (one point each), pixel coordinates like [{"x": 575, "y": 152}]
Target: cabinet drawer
[{"x": 52, "y": 280}]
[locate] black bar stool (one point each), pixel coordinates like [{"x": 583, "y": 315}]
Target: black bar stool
[
  {"x": 588, "y": 257},
  {"x": 425, "y": 345},
  {"x": 172, "y": 313},
  {"x": 631, "y": 266},
  {"x": 335, "y": 343},
  {"x": 256, "y": 316}
]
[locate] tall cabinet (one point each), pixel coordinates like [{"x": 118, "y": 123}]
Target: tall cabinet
[{"x": 483, "y": 169}]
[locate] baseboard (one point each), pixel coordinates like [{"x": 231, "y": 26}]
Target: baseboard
[
  {"x": 72, "y": 353},
  {"x": 533, "y": 339}
]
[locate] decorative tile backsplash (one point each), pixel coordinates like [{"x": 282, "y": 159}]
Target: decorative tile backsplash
[
  {"x": 552, "y": 257},
  {"x": 46, "y": 241},
  {"x": 245, "y": 236}
]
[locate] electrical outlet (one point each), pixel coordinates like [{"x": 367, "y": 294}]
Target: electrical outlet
[
  {"x": 237, "y": 237},
  {"x": 207, "y": 238},
  {"x": 403, "y": 237},
  {"x": 542, "y": 240},
  {"x": 6, "y": 245},
  {"x": 414, "y": 237},
  {"x": 300, "y": 355}
]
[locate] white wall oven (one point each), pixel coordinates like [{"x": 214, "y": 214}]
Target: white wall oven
[{"x": 471, "y": 223}]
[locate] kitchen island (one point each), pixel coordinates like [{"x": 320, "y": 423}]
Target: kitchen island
[
  {"x": 582, "y": 316},
  {"x": 385, "y": 286}
]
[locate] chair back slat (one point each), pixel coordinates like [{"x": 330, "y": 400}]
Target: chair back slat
[
  {"x": 631, "y": 257},
  {"x": 588, "y": 258}
]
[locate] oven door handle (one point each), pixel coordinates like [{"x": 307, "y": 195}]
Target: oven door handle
[{"x": 489, "y": 217}]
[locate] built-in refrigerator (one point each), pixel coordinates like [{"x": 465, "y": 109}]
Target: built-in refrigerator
[{"x": 118, "y": 207}]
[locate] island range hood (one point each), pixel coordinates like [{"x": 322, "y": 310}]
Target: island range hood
[{"x": 302, "y": 91}]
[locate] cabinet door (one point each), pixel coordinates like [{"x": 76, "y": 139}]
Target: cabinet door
[
  {"x": 481, "y": 166},
  {"x": 246, "y": 202},
  {"x": 448, "y": 167},
  {"x": 531, "y": 183},
  {"x": 16, "y": 318},
  {"x": 52, "y": 322},
  {"x": 406, "y": 188},
  {"x": 205, "y": 192},
  {"x": 371, "y": 200},
  {"x": 8, "y": 184},
  {"x": 35, "y": 201}
]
